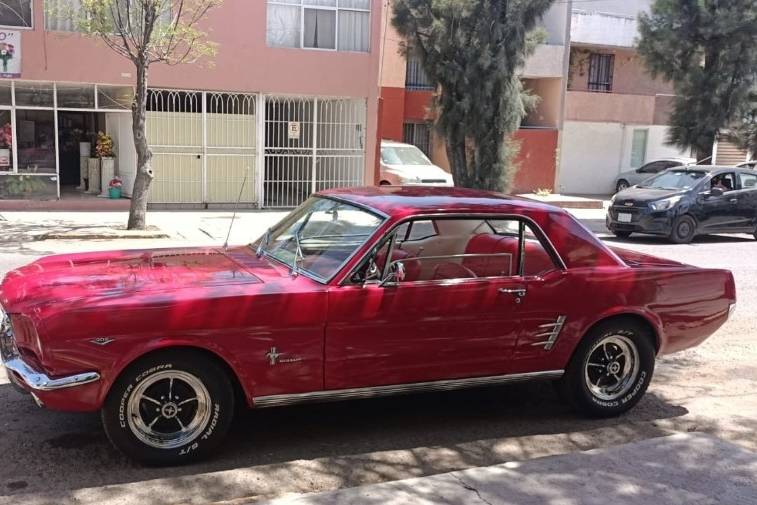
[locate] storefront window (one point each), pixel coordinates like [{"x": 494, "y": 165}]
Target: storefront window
[
  {"x": 6, "y": 141},
  {"x": 114, "y": 97},
  {"x": 76, "y": 96},
  {"x": 36, "y": 141},
  {"x": 34, "y": 94},
  {"x": 5, "y": 93},
  {"x": 25, "y": 186}
]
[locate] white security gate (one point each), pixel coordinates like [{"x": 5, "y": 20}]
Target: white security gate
[
  {"x": 311, "y": 144},
  {"x": 204, "y": 146}
]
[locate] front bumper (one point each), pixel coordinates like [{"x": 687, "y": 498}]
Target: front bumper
[
  {"x": 25, "y": 376},
  {"x": 643, "y": 220},
  {"x": 28, "y": 378}
]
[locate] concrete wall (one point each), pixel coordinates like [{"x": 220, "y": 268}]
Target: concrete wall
[
  {"x": 547, "y": 111},
  {"x": 630, "y": 76},
  {"x": 118, "y": 126},
  {"x": 594, "y": 153},
  {"x": 243, "y": 63}
]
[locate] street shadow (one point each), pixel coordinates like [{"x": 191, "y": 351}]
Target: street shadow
[
  {"x": 16, "y": 236},
  {"x": 348, "y": 443},
  {"x": 699, "y": 240}
]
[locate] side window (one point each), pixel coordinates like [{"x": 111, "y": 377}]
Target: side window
[
  {"x": 748, "y": 181},
  {"x": 725, "y": 181}
]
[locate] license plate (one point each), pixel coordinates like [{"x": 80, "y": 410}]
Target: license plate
[{"x": 624, "y": 218}]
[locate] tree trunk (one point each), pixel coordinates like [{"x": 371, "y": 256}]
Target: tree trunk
[
  {"x": 138, "y": 210},
  {"x": 705, "y": 150},
  {"x": 458, "y": 160}
]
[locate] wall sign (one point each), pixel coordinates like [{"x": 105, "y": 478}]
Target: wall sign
[
  {"x": 294, "y": 130},
  {"x": 10, "y": 54}
]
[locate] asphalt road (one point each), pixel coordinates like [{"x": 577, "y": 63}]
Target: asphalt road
[{"x": 51, "y": 457}]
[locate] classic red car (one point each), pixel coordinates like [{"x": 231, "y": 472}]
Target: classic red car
[{"x": 357, "y": 293}]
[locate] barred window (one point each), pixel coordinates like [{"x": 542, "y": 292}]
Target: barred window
[
  {"x": 419, "y": 135},
  {"x": 600, "y": 72}
]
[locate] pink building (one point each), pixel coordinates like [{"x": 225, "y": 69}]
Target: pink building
[{"x": 289, "y": 105}]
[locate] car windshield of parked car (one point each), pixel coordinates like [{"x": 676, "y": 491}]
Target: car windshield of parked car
[
  {"x": 674, "y": 179},
  {"x": 319, "y": 236},
  {"x": 403, "y": 155}
]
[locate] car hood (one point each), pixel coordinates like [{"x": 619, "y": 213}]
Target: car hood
[
  {"x": 70, "y": 278},
  {"x": 637, "y": 194},
  {"x": 421, "y": 171}
]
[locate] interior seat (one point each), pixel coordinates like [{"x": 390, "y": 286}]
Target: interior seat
[{"x": 493, "y": 266}]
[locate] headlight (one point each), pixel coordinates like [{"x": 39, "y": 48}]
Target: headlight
[{"x": 664, "y": 204}]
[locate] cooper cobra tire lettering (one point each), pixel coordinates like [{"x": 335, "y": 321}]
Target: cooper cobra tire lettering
[
  {"x": 574, "y": 387},
  {"x": 209, "y": 372}
]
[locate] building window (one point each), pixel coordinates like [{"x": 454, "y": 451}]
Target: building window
[
  {"x": 415, "y": 77},
  {"x": 342, "y": 25},
  {"x": 600, "y": 72},
  {"x": 419, "y": 135},
  {"x": 16, "y": 13}
]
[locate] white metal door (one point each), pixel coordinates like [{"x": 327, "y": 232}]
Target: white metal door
[
  {"x": 311, "y": 144},
  {"x": 204, "y": 146}
]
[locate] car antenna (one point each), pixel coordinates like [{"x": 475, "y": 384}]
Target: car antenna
[
  {"x": 699, "y": 162},
  {"x": 234, "y": 215}
]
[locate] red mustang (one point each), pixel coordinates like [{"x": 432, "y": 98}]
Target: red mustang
[{"x": 357, "y": 293}]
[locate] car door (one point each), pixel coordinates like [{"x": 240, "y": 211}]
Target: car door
[
  {"x": 747, "y": 199},
  {"x": 455, "y": 314},
  {"x": 720, "y": 213}
]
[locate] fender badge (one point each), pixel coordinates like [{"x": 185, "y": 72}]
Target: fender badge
[
  {"x": 275, "y": 357},
  {"x": 101, "y": 340}
]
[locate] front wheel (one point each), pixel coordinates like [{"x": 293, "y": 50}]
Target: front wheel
[
  {"x": 621, "y": 234},
  {"x": 169, "y": 408},
  {"x": 683, "y": 230},
  {"x": 610, "y": 370}
]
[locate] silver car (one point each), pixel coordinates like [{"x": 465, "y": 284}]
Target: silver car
[{"x": 633, "y": 177}]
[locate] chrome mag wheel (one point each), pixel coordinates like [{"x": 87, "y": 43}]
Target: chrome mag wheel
[
  {"x": 168, "y": 409},
  {"x": 612, "y": 367}
]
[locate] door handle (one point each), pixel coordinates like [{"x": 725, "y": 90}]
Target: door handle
[
  {"x": 519, "y": 292},
  {"x": 734, "y": 200}
]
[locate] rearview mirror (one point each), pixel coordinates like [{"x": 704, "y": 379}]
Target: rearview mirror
[{"x": 395, "y": 275}]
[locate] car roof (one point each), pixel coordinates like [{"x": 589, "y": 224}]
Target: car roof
[
  {"x": 402, "y": 201},
  {"x": 704, "y": 168}
]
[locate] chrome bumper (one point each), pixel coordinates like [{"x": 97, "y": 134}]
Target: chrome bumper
[
  {"x": 21, "y": 374},
  {"x": 41, "y": 382}
]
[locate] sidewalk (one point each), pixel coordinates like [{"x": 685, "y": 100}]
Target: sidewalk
[{"x": 690, "y": 469}]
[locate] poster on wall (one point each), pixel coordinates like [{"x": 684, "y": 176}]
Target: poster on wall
[{"x": 10, "y": 54}]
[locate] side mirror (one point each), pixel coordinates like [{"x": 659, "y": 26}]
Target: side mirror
[
  {"x": 716, "y": 191},
  {"x": 395, "y": 275}
]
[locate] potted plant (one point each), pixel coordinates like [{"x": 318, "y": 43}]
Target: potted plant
[
  {"x": 114, "y": 188},
  {"x": 6, "y": 142},
  {"x": 104, "y": 151}
]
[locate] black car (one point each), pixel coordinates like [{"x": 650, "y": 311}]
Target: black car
[{"x": 683, "y": 202}]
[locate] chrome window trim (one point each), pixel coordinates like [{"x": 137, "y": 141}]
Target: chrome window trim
[
  {"x": 398, "y": 389},
  {"x": 557, "y": 260}
]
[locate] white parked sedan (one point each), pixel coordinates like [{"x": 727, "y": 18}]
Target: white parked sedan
[{"x": 405, "y": 164}]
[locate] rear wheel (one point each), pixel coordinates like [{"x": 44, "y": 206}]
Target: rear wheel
[
  {"x": 610, "y": 370},
  {"x": 684, "y": 229},
  {"x": 169, "y": 408},
  {"x": 622, "y": 184}
]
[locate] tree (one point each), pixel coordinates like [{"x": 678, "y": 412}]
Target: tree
[
  {"x": 471, "y": 51},
  {"x": 743, "y": 131},
  {"x": 147, "y": 32},
  {"x": 708, "y": 50}
]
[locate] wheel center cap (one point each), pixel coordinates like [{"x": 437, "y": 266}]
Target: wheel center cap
[
  {"x": 613, "y": 367},
  {"x": 169, "y": 410}
]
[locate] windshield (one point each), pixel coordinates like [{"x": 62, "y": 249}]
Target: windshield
[
  {"x": 403, "y": 155},
  {"x": 674, "y": 179},
  {"x": 319, "y": 236}
]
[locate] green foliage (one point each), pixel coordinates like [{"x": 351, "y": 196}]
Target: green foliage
[
  {"x": 743, "y": 132},
  {"x": 708, "y": 49},
  {"x": 147, "y": 31},
  {"x": 471, "y": 51},
  {"x": 22, "y": 185}
]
